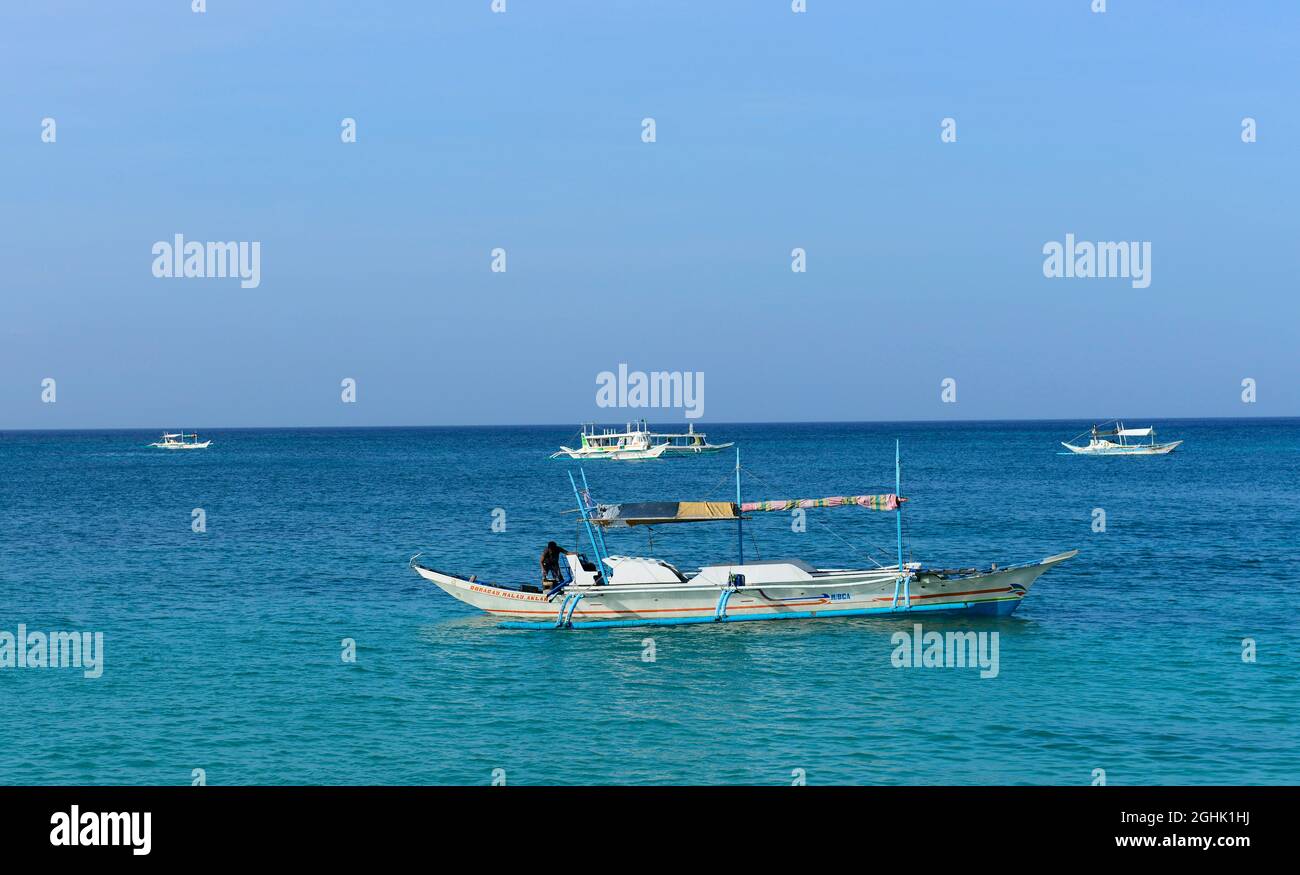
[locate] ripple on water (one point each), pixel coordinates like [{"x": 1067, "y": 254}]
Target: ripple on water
[{"x": 223, "y": 651}]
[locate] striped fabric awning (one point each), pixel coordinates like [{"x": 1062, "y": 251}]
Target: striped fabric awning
[
  {"x": 872, "y": 502},
  {"x": 658, "y": 513}
]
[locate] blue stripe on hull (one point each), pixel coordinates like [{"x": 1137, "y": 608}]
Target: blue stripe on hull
[{"x": 1002, "y": 608}]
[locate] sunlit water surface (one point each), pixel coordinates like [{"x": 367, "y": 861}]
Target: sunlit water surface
[{"x": 223, "y": 648}]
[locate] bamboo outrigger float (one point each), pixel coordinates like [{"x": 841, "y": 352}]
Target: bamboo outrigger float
[{"x": 617, "y": 591}]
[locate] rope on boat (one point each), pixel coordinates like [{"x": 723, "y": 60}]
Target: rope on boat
[{"x": 1088, "y": 433}]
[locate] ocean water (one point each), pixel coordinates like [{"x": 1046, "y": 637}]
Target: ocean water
[{"x": 222, "y": 649}]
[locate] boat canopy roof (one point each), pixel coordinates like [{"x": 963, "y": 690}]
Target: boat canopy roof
[
  {"x": 1120, "y": 430},
  {"x": 654, "y": 513}
]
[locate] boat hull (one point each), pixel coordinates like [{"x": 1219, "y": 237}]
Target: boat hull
[
  {"x": 1118, "y": 450},
  {"x": 704, "y": 450},
  {"x": 611, "y": 455},
  {"x": 831, "y": 594}
]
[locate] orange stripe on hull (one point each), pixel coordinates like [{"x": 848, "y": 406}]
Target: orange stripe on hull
[
  {"x": 735, "y": 607},
  {"x": 944, "y": 595},
  {"x": 666, "y": 610}
]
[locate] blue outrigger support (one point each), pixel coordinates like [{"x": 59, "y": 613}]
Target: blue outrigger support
[
  {"x": 903, "y": 587},
  {"x": 564, "y": 620},
  {"x": 720, "y": 612}
]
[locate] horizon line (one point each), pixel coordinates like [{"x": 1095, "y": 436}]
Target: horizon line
[{"x": 710, "y": 424}]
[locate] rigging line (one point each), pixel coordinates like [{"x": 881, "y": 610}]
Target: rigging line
[
  {"x": 754, "y": 541},
  {"x": 723, "y": 482},
  {"x": 856, "y": 548},
  {"x": 1088, "y": 432}
]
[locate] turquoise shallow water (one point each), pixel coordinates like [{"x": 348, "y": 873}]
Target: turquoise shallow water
[{"x": 223, "y": 648}]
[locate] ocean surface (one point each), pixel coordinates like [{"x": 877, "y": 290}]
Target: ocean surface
[{"x": 223, "y": 649}]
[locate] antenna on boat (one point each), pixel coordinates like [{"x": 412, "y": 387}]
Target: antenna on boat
[
  {"x": 898, "y": 491},
  {"x": 740, "y": 533}
]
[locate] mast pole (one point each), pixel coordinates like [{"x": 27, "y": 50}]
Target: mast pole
[
  {"x": 898, "y": 492},
  {"x": 597, "y": 533},
  {"x": 740, "y": 534},
  {"x": 586, "y": 521}
]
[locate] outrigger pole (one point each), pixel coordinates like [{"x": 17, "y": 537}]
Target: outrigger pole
[
  {"x": 902, "y": 586},
  {"x": 594, "y": 535},
  {"x": 740, "y": 532},
  {"x": 898, "y": 490}
]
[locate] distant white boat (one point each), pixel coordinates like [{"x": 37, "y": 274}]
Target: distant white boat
[
  {"x": 1100, "y": 443},
  {"x": 180, "y": 441},
  {"x": 637, "y": 443}
]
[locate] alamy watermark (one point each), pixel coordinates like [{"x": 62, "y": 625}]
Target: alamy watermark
[
  {"x": 921, "y": 649},
  {"x": 75, "y": 827},
  {"x": 195, "y": 260},
  {"x": 84, "y": 650},
  {"x": 1085, "y": 260},
  {"x": 684, "y": 389}
]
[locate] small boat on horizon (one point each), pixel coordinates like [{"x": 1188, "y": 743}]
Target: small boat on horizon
[
  {"x": 1100, "y": 443},
  {"x": 637, "y": 443},
  {"x": 178, "y": 441},
  {"x": 620, "y": 590}
]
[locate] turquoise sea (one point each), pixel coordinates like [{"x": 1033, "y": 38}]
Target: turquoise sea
[{"x": 222, "y": 649}]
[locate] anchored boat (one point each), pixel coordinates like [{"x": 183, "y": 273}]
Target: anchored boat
[
  {"x": 180, "y": 441},
  {"x": 637, "y": 443},
  {"x": 615, "y": 590},
  {"x": 1100, "y": 443}
]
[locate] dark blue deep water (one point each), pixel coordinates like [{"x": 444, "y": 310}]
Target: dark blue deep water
[{"x": 222, "y": 649}]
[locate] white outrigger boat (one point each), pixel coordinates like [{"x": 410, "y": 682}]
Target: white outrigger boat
[
  {"x": 637, "y": 443},
  {"x": 177, "y": 441},
  {"x": 1100, "y": 443},
  {"x": 615, "y": 591}
]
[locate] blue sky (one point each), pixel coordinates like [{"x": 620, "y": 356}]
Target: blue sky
[{"x": 774, "y": 130}]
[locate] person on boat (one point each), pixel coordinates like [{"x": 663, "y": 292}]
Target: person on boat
[{"x": 551, "y": 563}]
